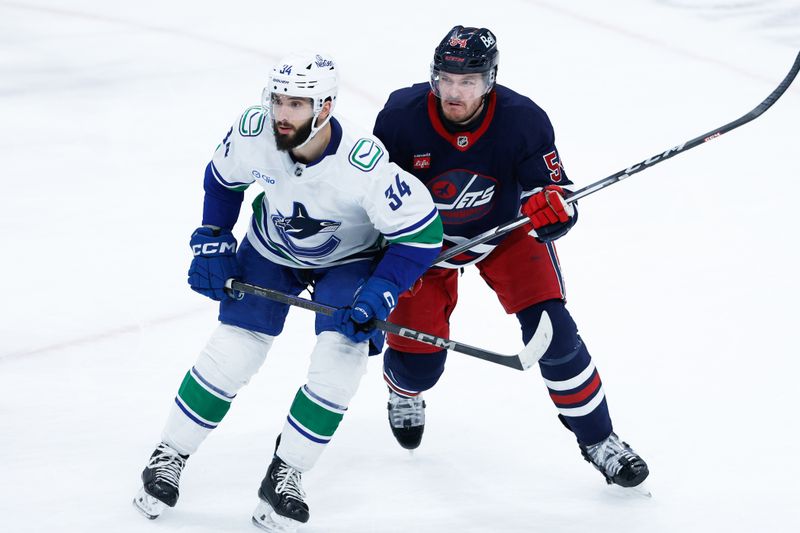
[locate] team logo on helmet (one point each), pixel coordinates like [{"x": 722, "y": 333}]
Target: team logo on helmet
[
  {"x": 321, "y": 62},
  {"x": 455, "y": 41}
]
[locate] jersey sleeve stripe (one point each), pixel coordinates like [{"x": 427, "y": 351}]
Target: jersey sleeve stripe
[
  {"x": 429, "y": 235},
  {"x": 238, "y": 185},
  {"x": 412, "y": 228}
]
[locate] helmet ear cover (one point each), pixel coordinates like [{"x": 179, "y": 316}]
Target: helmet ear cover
[{"x": 466, "y": 50}]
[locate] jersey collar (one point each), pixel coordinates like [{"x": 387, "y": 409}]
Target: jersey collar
[
  {"x": 461, "y": 140},
  {"x": 333, "y": 143}
]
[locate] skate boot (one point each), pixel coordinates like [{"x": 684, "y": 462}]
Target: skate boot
[
  {"x": 407, "y": 419},
  {"x": 281, "y": 506},
  {"x": 160, "y": 480},
  {"x": 618, "y": 463}
]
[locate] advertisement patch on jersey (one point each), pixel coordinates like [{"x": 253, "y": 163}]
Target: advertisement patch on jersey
[
  {"x": 462, "y": 195},
  {"x": 422, "y": 161}
]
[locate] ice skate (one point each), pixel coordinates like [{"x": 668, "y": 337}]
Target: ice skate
[
  {"x": 407, "y": 419},
  {"x": 281, "y": 507},
  {"x": 160, "y": 480},
  {"x": 618, "y": 463}
]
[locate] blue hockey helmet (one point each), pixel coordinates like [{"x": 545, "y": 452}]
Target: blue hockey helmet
[{"x": 466, "y": 50}]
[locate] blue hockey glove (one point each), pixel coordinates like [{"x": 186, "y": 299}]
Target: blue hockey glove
[
  {"x": 214, "y": 262},
  {"x": 373, "y": 300}
]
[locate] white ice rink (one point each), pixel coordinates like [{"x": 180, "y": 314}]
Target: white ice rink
[{"x": 683, "y": 279}]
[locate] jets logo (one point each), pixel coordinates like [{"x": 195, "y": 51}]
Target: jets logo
[
  {"x": 301, "y": 226},
  {"x": 462, "y": 195},
  {"x": 443, "y": 189}
]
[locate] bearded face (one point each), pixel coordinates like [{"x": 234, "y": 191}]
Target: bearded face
[
  {"x": 291, "y": 120},
  {"x": 289, "y": 136}
]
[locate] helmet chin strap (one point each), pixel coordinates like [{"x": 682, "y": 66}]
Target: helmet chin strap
[{"x": 314, "y": 129}]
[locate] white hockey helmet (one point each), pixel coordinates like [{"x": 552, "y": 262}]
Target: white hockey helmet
[{"x": 306, "y": 75}]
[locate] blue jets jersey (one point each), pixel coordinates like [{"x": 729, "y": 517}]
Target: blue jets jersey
[{"x": 479, "y": 178}]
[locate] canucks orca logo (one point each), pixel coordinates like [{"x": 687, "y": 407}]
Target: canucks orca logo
[{"x": 301, "y": 226}]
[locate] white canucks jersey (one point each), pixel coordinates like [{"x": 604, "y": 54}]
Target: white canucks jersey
[{"x": 333, "y": 211}]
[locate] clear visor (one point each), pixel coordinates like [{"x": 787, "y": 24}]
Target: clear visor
[
  {"x": 461, "y": 86},
  {"x": 290, "y": 108}
]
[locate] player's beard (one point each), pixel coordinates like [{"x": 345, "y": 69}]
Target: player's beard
[{"x": 286, "y": 142}]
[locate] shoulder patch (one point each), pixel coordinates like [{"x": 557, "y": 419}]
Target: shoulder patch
[
  {"x": 365, "y": 154},
  {"x": 252, "y": 122}
]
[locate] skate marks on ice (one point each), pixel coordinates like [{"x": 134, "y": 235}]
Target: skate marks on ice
[{"x": 774, "y": 20}]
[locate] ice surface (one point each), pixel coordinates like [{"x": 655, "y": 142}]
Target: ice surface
[{"x": 683, "y": 279}]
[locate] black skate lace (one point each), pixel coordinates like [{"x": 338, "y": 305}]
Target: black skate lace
[
  {"x": 167, "y": 466},
  {"x": 404, "y": 408},
  {"x": 289, "y": 482},
  {"x": 611, "y": 455}
]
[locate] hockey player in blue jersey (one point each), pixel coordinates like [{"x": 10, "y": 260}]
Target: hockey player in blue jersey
[
  {"x": 336, "y": 216},
  {"x": 488, "y": 154}
]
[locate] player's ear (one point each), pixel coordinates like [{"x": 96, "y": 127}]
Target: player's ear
[{"x": 323, "y": 114}]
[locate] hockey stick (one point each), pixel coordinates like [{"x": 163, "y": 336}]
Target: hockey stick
[
  {"x": 523, "y": 360},
  {"x": 633, "y": 169}
]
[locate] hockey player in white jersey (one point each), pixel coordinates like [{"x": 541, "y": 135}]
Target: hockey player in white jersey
[{"x": 334, "y": 215}]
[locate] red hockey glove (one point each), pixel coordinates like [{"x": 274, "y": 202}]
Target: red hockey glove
[{"x": 551, "y": 216}]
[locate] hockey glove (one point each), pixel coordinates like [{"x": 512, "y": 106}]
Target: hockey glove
[
  {"x": 551, "y": 216},
  {"x": 214, "y": 262},
  {"x": 373, "y": 300}
]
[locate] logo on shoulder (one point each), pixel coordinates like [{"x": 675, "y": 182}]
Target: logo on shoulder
[
  {"x": 365, "y": 155},
  {"x": 252, "y": 122}
]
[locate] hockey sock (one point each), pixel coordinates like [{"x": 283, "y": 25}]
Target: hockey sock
[
  {"x": 228, "y": 361},
  {"x": 310, "y": 425},
  {"x": 410, "y": 373},
  {"x": 337, "y": 365},
  {"x": 569, "y": 373}
]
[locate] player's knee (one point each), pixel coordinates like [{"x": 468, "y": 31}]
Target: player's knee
[
  {"x": 337, "y": 365},
  {"x": 232, "y": 356},
  {"x": 565, "y": 332}
]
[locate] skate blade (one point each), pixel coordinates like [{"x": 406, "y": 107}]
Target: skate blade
[
  {"x": 639, "y": 491},
  {"x": 267, "y": 519},
  {"x": 147, "y": 505}
]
